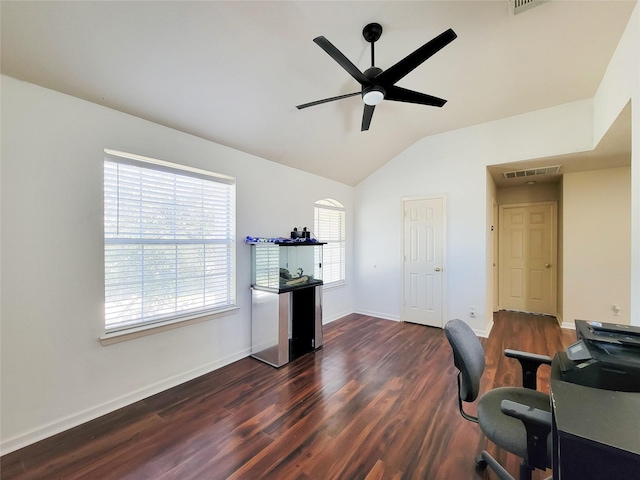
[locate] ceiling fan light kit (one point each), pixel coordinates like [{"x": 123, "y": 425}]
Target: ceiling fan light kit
[
  {"x": 377, "y": 84},
  {"x": 373, "y": 97}
]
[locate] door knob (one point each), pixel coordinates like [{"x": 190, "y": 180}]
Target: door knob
[
  {"x": 437, "y": 269},
  {"x": 547, "y": 265}
]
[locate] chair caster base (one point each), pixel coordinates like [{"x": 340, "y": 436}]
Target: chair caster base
[
  {"x": 481, "y": 463},
  {"x": 496, "y": 467}
]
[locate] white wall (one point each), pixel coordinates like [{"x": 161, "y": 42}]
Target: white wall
[
  {"x": 540, "y": 192},
  {"x": 55, "y": 373},
  {"x": 454, "y": 164},
  {"x": 597, "y": 235},
  {"x": 620, "y": 84}
]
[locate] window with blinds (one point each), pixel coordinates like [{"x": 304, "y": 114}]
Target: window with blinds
[
  {"x": 169, "y": 241},
  {"x": 329, "y": 227}
]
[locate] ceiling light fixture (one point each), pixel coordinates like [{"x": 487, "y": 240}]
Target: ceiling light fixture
[{"x": 373, "y": 97}]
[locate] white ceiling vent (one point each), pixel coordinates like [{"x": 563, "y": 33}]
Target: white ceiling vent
[
  {"x": 519, "y": 6},
  {"x": 532, "y": 172}
]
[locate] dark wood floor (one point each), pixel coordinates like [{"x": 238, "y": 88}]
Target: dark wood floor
[{"x": 377, "y": 402}]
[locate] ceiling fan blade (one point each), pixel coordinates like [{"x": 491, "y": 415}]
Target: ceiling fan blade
[
  {"x": 318, "y": 102},
  {"x": 399, "y": 94},
  {"x": 413, "y": 60},
  {"x": 366, "y": 117},
  {"x": 344, "y": 62}
]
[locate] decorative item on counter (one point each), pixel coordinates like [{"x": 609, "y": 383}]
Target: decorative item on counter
[
  {"x": 304, "y": 233},
  {"x": 284, "y": 275},
  {"x": 279, "y": 240},
  {"x": 287, "y": 279}
]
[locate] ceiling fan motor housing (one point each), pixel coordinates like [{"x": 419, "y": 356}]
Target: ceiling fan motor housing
[
  {"x": 373, "y": 94},
  {"x": 372, "y": 72}
]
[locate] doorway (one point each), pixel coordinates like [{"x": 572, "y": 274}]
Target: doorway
[
  {"x": 423, "y": 272},
  {"x": 528, "y": 257}
]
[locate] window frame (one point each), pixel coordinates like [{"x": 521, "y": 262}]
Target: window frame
[
  {"x": 178, "y": 318},
  {"x": 329, "y": 204}
]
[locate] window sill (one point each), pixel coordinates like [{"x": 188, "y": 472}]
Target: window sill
[
  {"x": 329, "y": 286},
  {"x": 144, "y": 330}
]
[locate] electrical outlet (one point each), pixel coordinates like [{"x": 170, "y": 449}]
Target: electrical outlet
[
  {"x": 472, "y": 312},
  {"x": 616, "y": 309}
]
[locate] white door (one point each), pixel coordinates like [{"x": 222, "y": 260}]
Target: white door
[
  {"x": 423, "y": 269},
  {"x": 495, "y": 252},
  {"x": 527, "y": 258}
]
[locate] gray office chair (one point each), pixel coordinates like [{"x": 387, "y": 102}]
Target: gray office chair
[{"x": 515, "y": 419}]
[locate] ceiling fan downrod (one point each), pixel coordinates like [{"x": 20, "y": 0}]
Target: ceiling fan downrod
[{"x": 371, "y": 34}]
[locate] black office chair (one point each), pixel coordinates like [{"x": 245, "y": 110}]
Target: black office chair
[{"x": 515, "y": 419}]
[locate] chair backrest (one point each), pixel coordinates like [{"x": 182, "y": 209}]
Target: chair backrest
[{"x": 468, "y": 357}]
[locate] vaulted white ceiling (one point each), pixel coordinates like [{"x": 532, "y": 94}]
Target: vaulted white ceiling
[{"x": 233, "y": 72}]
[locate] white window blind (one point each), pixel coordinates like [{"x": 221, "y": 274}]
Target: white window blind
[
  {"x": 169, "y": 235},
  {"x": 267, "y": 265},
  {"x": 329, "y": 227}
]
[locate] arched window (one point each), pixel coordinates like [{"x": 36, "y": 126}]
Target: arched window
[{"x": 329, "y": 227}]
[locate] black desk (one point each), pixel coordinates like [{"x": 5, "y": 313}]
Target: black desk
[{"x": 596, "y": 432}]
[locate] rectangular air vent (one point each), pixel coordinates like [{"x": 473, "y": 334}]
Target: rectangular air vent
[
  {"x": 532, "y": 172},
  {"x": 519, "y": 6}
]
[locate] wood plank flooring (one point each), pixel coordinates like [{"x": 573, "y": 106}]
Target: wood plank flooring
[{"x": 377, "y": 402}]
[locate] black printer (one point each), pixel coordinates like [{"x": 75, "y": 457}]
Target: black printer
[{"x": 606, "y": 356}]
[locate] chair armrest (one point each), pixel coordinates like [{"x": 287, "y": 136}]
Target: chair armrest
[
  {"x": 535, "y": 357},
  {"x": 529, "y": 363},
  {"x": 528, "y": 415},
  {"x": 537, "y": 423}
]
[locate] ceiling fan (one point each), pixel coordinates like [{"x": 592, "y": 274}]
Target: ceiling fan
[{"x": 378, "y": 84}]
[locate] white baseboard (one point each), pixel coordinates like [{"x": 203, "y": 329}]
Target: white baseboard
[
  {"x": 568, "y": 325},
  {"x": 384, "y": 316},
  {"x": 335, "y": 317},
  {"x": 58, "y": 426},
  {"x": 484, "y": 333}
]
